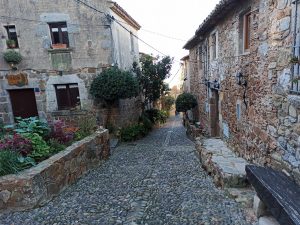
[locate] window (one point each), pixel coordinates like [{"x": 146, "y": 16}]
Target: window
[
  {"x": 245, "y": 31},
  {"x": 247, "y": 19},
  {"x": 213, "y": 46},
  {"x": 12, "y": 36},
  {"x": 67, "y": 96},
  {"x": 238, "y": 111},
  {"x": 59, "y": 34},
  {"x": 132, "y": 42}
]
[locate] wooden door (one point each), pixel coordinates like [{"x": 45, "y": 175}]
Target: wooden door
[
  {"x": 23, "y": 103},
  {"x": 214, "y": 114}
]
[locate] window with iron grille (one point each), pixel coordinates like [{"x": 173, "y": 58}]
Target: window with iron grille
[
  {"x": 295, "y": 68},
  {"x": 12, "y": 35},
  {"x": 67, "y": 96}
]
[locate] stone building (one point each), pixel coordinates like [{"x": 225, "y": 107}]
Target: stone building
[
  {"x": 185, "y": 79},
  {"x": 64, "y": 45},
  {"x": 247, "y": 88}
]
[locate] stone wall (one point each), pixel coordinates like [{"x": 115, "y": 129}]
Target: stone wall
[
  {"x": 121, "y": 114},
  {"x": 95, "y": 42},
  {"x": 259, "y": 121},
  {"x": 38, "y": 185},
  {"x": 90, "y": 36}
]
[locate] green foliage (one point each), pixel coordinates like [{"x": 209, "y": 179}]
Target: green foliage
[
  {"x": 10, "y": 42},
  {"x": 151, "y": 76},
  {"x": 168, "y": 102},
  {"x": 114, "y": 84},
  {"x": 55, "y": 146},
  {"x": 146, "y": 122},
  {"x": 31, "y": 125},
  {"x": 11, "y": 162},
  {"x": 87, "y": 125},
  {"x": 185, "y": 102},
  {"x": 12, "y": 56},
  {"x": 156, "y": 116},
  {"x": 2, "y": 129},
  {"x": 8, "y": 162},
  {"x": 41, "y": 150},
  {"x": 133, "y": 132}
]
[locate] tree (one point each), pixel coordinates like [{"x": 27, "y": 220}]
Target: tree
[
  {"x": 185, "y": 102},
  {"x": 151, "y": 76},
  {"x": 167, "y": 102},
  {"x": 114, "y": 84}
]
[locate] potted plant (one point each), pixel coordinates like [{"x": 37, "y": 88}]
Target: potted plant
[
  {"x": 59, "y": 46},
  {"x": 11, "y": 43},
  {"x": 13, "y": 58}
]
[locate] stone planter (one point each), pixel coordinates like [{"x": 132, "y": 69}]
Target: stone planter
[{"x": 38, "y": 185}]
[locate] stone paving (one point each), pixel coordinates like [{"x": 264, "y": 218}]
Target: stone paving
[
  {"x": 227, "y": 169},
  {"x": 157, "y": 180}
]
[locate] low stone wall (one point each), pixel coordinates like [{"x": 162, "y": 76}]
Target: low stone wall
[{"x": 36, "y": 186}]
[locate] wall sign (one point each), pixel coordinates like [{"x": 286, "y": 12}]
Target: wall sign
[{"x": 19, "y": 80}]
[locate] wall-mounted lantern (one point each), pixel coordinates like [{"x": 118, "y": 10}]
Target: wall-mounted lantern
[
  {"x": 216, "y": 84},
  {"x": 240, "y": 79}
]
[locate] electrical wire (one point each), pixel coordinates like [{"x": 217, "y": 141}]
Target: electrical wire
[
  {"x": 175, "y": 74},
  {"x": 156, "y": 33}
]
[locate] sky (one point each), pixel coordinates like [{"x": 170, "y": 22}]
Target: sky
[{"x": 176, "y": 19}]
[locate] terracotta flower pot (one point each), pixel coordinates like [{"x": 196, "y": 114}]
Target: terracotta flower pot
[{"x": 59, "y": 46}]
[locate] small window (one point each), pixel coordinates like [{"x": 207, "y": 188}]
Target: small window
[
  {"x": 67, "y": 96},
  {"x": 12, "y": 37},
  {"x": 245, "y": 31},
  {"x": 132, "y": 42},
  {"x": 213, "y": 46},
  {"x": 59, "y": 35},
  {"x": 238, "y": 111}
]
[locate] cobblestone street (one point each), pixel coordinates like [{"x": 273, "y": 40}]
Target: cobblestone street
[{"x": 157, "y": 180}]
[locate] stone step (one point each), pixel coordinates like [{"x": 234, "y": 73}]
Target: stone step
[{"x": 221, "y": 163}]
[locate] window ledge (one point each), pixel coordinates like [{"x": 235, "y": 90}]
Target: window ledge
[
  {"x": 245, "y": 53},
  {"x": 60, "y": 50}
]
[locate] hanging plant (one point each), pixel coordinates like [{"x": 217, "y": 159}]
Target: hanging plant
[{"x": 13, "y": 58}]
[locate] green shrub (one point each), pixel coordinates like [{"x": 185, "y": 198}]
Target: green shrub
[
  {"x": 146, "y": 122},
  {"x": 12, "y": 56},
  {"x": 185, "y": 102},
  {"x": 156, "y": 116},
  {"x": 87, "y": 125},
  {"x": 163, "y": 116},
  {"x": 40, "y": 150},
  {"x": 113, "y": 84},
  {"x": 168, "y": 102},
  {"x": 133, "y": 132},
  {"x": 55, "y": 146}
]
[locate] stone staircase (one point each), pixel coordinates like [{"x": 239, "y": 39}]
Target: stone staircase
[{"x": 227, "y": 170}]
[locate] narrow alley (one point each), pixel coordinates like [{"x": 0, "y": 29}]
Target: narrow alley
[{"x": 157, "y": 180}]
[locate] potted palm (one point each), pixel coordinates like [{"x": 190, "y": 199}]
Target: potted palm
[
  {"x": 13, "y": 58},
  {"x": 11, "y": 43}
]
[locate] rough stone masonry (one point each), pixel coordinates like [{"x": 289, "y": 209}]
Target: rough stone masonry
[{"x": 259, "y": 117}]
